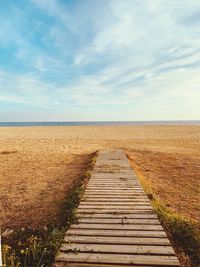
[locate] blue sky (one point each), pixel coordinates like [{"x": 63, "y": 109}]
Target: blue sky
[{"x": 99, "y": 60}]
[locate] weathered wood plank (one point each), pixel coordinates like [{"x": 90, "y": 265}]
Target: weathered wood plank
[
  {"x": 113, "y": 232},
  {"x": 115, "y": 192},
  {"x": 108, "y": 195},
  {"x": 76, "y": 264},
  {"x": 118, "y": 258},
  {"x": 120, "y": 249},
  {"x": 112, "y": 191},
  {"x": 119, "y": 221},
  {"x": 117, "y": 226},
  {"x": 115, "y": 211},
  {"x": 115, "y": 198},
  {"x": 118, "y": 240},
  {"x": 115, "y": 187},
  {"x": 116, "y": 184},
  {"x": 117, "y": 215},
  {"x": 114, "y": 203},
  {"x": 117, "y": 207}
]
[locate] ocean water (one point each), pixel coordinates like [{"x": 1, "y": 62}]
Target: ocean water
[{"x": 96, "y": 123}]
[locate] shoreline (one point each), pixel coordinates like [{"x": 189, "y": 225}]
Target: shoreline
[{"x": 101, "y": 123}]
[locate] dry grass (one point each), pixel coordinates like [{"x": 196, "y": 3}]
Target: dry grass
[
  {"x": 174, "y": 178},
  {"x": 32, "y": 184}
]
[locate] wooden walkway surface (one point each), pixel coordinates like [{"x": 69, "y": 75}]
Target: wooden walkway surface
[{"x": 116, "y": 223}]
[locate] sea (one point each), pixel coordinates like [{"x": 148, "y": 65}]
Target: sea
[{"x": 96, "y": 123}]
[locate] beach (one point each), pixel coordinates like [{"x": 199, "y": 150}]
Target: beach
[{"x": 38, "y": 165}]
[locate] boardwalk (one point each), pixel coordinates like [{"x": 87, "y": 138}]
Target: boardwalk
[{"x": 116, "y": 223}]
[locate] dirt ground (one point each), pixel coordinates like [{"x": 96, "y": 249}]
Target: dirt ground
[{"x": 38, "y": 164}]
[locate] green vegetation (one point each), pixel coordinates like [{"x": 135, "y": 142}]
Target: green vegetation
[
  {"x": 182, "y": 232},
  {"x": 36, "y": 248}
]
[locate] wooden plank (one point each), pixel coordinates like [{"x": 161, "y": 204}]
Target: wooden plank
[
  {"x": 117, "y": 226},
  {"x": 108, "y": 232},
  {"x": 108, "y": 180},
  {"x": 113, "y": 172},
  {"x": 113, "y": 212},
  {"x": 115, "y": 183},
  {"x": 106, "y": 209},
  {"x": 114, "y": 200},
  {"x": 77, "y": 264},
  {"x": 113, "y": 196},
  {"x": 116, "y": 206},
  {"x": 118, "y": 258},
  {"x": 119, "y": 221},
  {"x": 116, "y": 194},
  {"x": 113, "y": 190},
  {"x": 118, "y": 240},
  {"x": 118, "y": 215},
  {"x": 120, "y": 249},
  {"x": 115, "y": 187},
  {"x": 101, "y": 203}
]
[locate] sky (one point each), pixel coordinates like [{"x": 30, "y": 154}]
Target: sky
[{"x": 94, "y": 60}]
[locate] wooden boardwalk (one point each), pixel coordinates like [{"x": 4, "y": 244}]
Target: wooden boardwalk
[{"x": 116, "y": 223}]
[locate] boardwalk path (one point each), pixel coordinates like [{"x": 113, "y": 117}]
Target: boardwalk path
[{"x": 117, "y": 226}]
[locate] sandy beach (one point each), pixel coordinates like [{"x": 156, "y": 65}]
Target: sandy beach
[{"x": 38, "y": 164}]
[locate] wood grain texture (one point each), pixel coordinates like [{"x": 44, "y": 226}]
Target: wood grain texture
[
  {"x": 119, "y": 249},
  {"x": 118, "y": 258}
]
